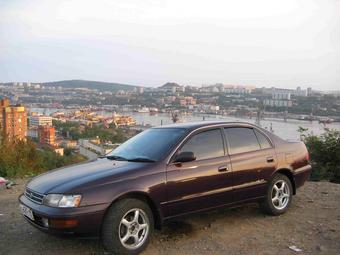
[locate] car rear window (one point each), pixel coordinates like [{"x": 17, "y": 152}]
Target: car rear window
[
  {"x": 241, "y": 140},
  {"x": 264, "y": 143}
]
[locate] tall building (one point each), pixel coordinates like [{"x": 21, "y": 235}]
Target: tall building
[
  {"x": 13, "y": 120},
  {"x": 309, "y": 91},
  {"x": 46, "y": 135},
  {"x": 3, "y": 103}
]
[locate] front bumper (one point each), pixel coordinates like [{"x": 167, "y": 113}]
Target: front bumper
[{"x": 88, "y": 218}]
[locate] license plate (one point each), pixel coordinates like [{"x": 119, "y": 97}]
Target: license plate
[{"x": 26, "y": 211}]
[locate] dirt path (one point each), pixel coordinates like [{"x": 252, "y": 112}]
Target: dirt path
[{"x": 312, "y": 224}]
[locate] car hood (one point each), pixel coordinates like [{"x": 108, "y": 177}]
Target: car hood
[{"x": 69, "y": 179}]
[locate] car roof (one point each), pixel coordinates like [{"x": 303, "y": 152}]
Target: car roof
[{"x": 201, "y": 124}]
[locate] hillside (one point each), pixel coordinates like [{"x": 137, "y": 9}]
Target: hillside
[
  {"x": 170, "y": 85},
  {"x": 108, "y": 86}
]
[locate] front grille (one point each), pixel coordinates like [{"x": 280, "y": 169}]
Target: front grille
[{"x": 34, "y": 196}]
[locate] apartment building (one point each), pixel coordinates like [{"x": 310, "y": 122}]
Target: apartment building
[
  {"x": 46, "y": 135},
  {"x": 13, "y": 119}
]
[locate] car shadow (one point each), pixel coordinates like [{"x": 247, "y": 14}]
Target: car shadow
[
  {"x": 192, "y": 223},
  {"x": 178, "y": 229}
]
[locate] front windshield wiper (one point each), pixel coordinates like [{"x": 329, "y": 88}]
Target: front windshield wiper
[
  {"x": 115, "y": 157},
  {"x": 141, "y": 160}
]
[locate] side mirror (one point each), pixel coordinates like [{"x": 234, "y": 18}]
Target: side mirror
[{"x": 185, "y": 156}]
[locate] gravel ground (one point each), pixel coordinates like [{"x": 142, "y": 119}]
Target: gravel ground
[{"x": 312, "y": 224}]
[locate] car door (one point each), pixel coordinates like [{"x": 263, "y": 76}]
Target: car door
[
  {"x": 202, "y": 183},
  {"x": 252, "y": 158}
]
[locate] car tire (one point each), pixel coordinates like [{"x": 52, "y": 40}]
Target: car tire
[
  {"x": 127, "y": 227},
  {"x": 279, "y": 195}
]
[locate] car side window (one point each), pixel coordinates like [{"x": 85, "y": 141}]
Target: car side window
[
  {"x": 264, "y": 143},
  {"x": 241, "y": 140},
  {"x": 205, "y": 145}
]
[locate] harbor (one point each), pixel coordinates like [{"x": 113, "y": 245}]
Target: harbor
[{"x": 285, "y": 128}]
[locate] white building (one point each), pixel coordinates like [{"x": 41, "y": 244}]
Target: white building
[
  {"x": 277, "y": 103},
  {"x": 238, "y": 90},
  {"x": 140, "y": 90},
  {"x": 180, "y": 89},
  {"x": 36, "y": 121},
  {"x": 300, "y": 92},
  {"x": 281, "y": 95}
]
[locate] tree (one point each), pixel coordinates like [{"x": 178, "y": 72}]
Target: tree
[
  {"x": 19, "y": 158},
  {"x": 324, "y": 152}
]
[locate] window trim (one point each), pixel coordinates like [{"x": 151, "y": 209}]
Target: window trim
[
  {"x": 266, "y": 137},
  {"x": 196, "y": 132},
  {"x": 211, "y": 126}
]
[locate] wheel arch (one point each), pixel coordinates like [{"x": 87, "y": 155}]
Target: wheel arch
[
  {"x": 287, "y": 172},
  {"x": 145, "y": 198}
]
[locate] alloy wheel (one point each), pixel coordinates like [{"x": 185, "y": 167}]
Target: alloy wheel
[
  {"x": 280, "y": 194},
  {"x": 133, "y": 229}
]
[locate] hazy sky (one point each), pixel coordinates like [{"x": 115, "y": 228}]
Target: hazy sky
[{"x": 285, "y": 43}]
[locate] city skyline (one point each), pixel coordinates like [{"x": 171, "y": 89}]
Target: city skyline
[
  {"x": 283, "y": 45},
  {"x": 225, "y": 84}
]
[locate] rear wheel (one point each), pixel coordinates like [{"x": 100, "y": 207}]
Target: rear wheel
[
  {"x": 127, "y": 227},
  {"x": 279, "y": 195}
]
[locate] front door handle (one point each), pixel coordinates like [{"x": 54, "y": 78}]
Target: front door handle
[
  {"x": 223, "y": 169},
  {"x": 270, "y": 159}
]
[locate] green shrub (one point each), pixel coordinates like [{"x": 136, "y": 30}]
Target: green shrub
[
  {"x": 324, "y": 153},
  {"x": 23, "y": 158}
]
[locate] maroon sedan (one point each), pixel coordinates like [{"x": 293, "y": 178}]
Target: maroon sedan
[{"x": 163, "y": 173}]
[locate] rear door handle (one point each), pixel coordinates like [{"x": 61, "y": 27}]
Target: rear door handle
[
  {"x": 223, "y": 169},
  {"x": 270, "y": 159}
]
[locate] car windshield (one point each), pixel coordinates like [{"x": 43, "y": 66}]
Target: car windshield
[{"x": 148, "y": 146}]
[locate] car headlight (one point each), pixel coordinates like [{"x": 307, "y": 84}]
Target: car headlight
[{"x": 59, "y": 200}]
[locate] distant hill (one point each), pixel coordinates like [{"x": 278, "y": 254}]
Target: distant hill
[
  {"x": 170, "y": 85},
  {"x": 108, "y": 86}
]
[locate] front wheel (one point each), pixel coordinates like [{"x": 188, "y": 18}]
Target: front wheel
[
  {"x": 279, "y": 195},
  {"x": 127, "y": 227}
]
